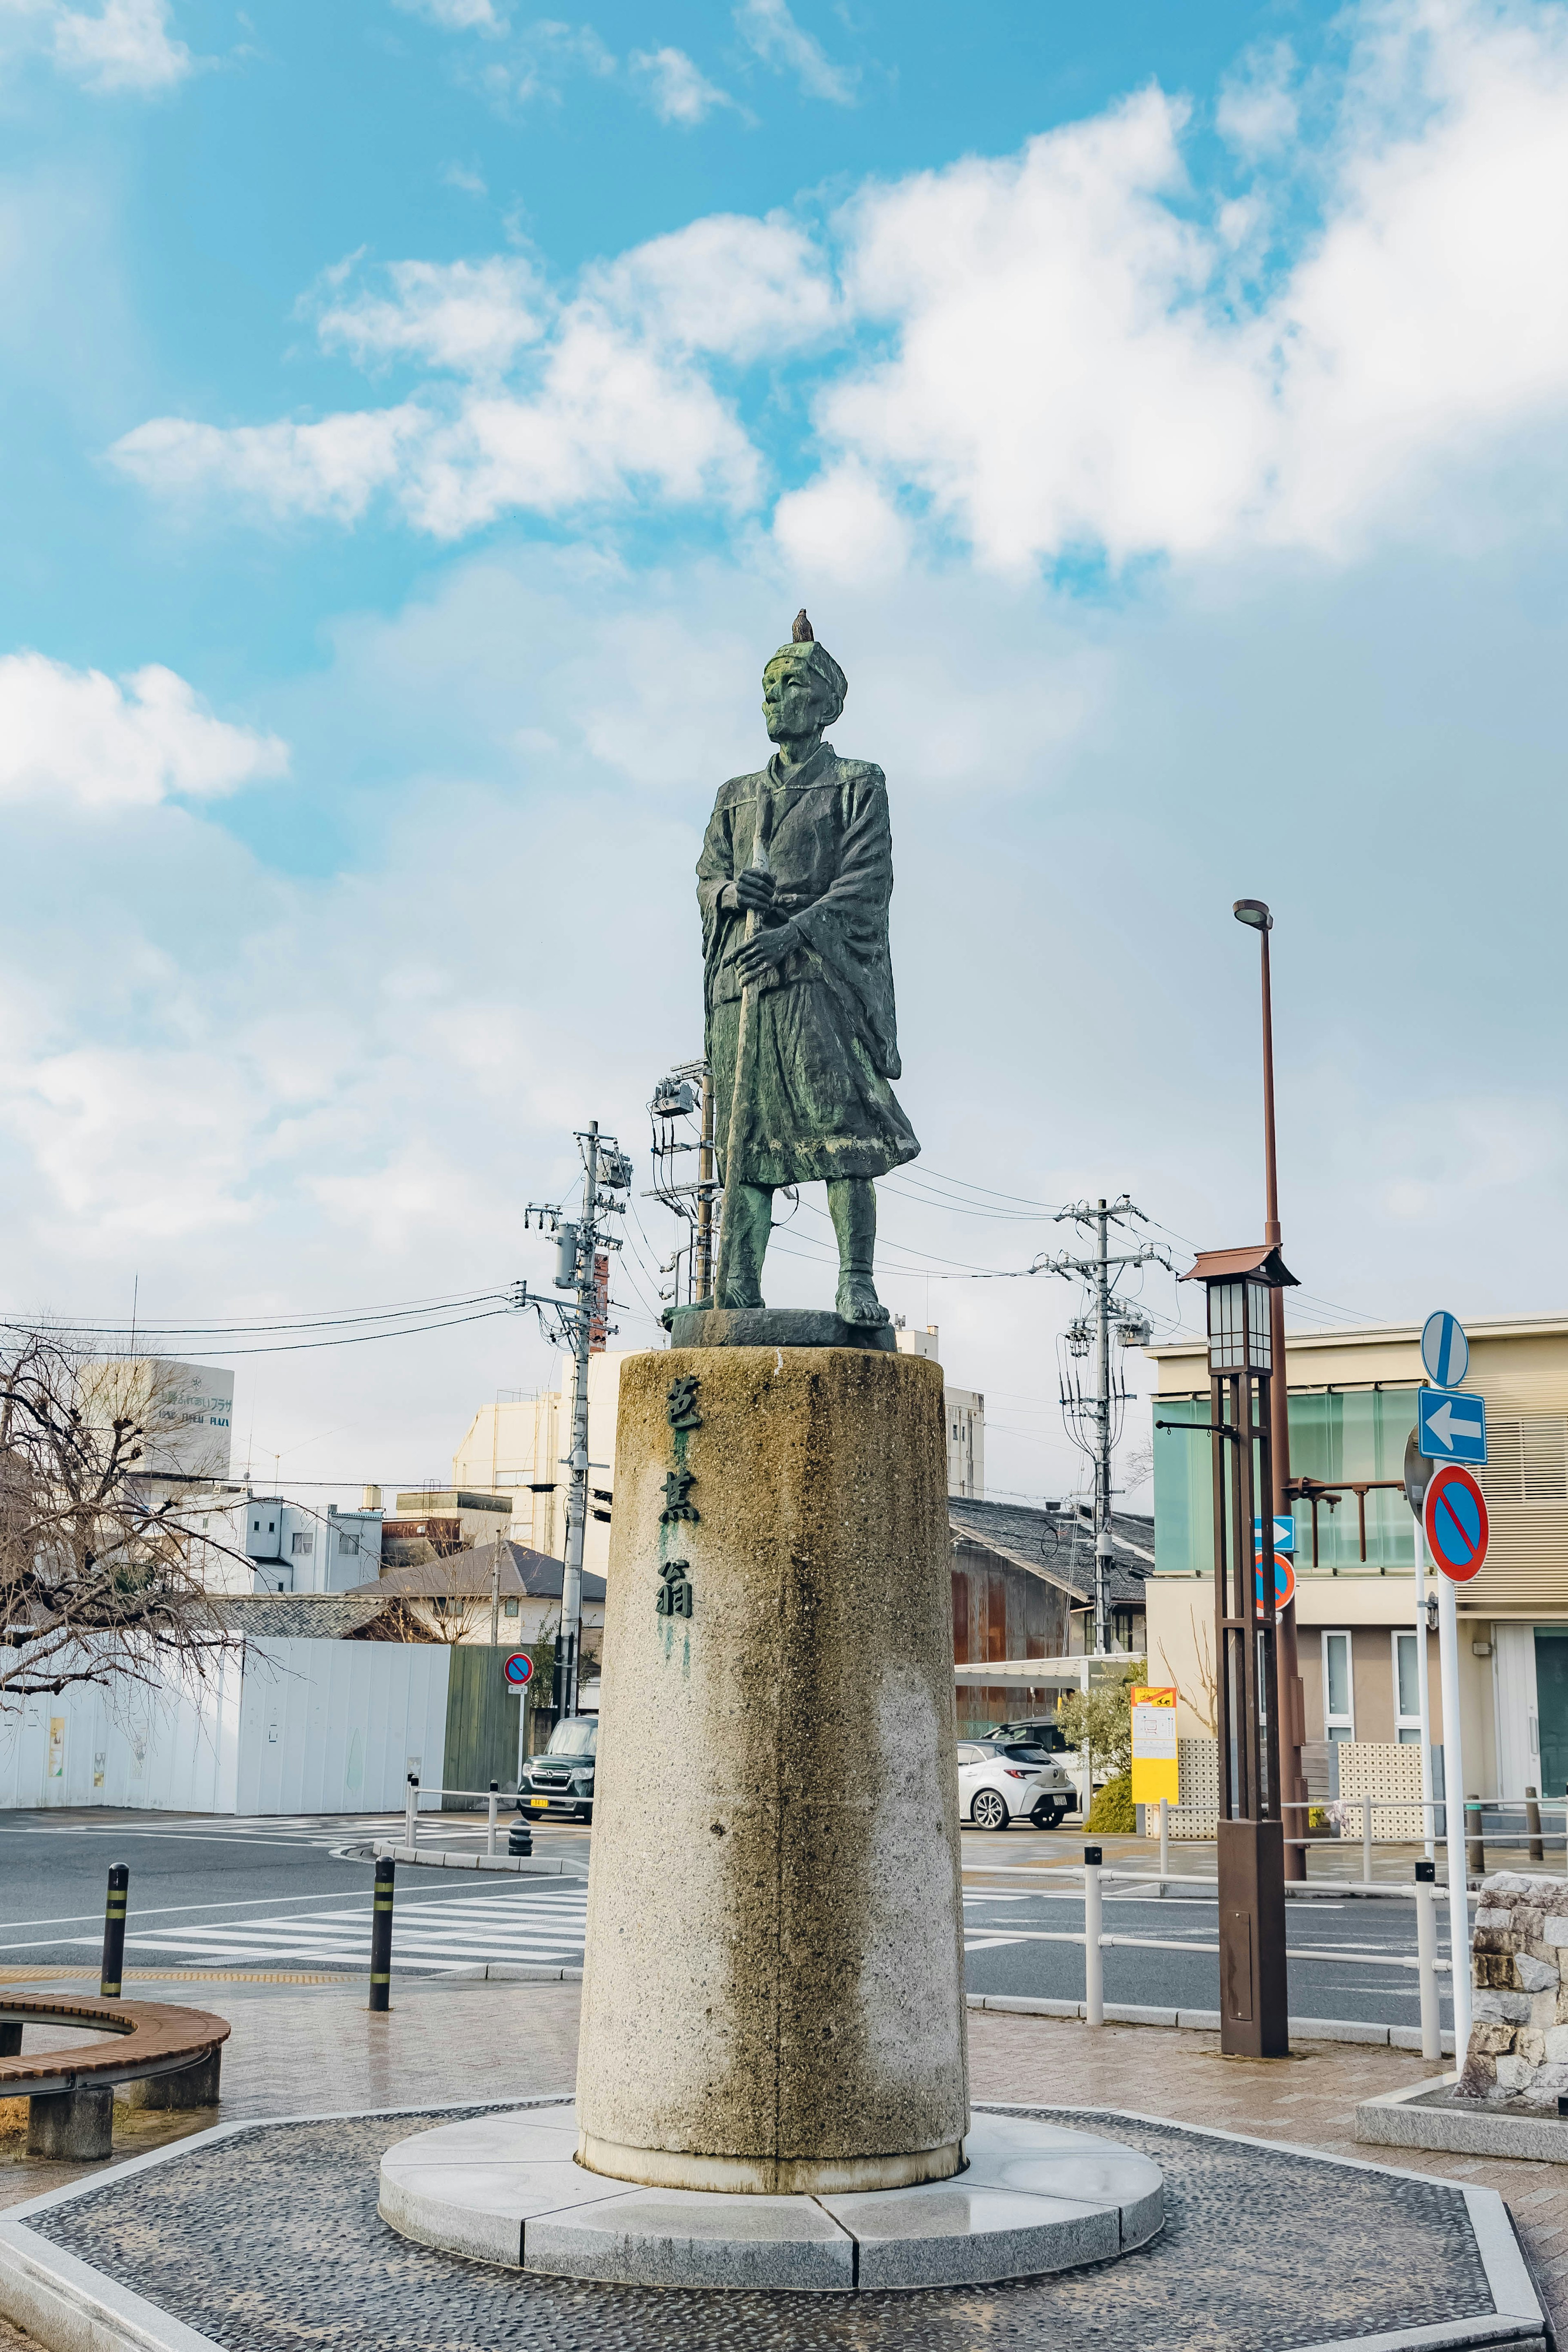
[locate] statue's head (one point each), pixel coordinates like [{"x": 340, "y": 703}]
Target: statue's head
[{"x": 803, "y": 687}]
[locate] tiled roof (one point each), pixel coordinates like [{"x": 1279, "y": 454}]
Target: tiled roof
[
  {"x": 466, "y": 1575},
  {"x": 1060, "y": 1545},
  {"x": 301, "y": 1616}
]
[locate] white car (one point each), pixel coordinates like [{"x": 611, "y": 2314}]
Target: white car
[{"x": 996, "y": 1783}]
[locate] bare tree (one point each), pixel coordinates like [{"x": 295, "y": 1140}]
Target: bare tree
[
  {"x": 97, "y": 1578},
  {"x": 1204, "y": 1701}
]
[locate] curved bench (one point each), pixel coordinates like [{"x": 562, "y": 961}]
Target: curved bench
[{"x": 170, "y": 2057}]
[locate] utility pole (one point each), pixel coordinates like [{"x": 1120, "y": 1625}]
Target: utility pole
[
  {"x": 1102, "y": 1272},
  {"x": 578, "y": 1248}
]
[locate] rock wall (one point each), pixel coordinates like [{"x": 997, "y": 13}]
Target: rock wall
[{"x": 1519, "y": 2035}]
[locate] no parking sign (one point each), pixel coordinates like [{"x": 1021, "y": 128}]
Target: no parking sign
[
  {"x": 519, "y": 1672},
  {"x": 1455, "y": 1517}
]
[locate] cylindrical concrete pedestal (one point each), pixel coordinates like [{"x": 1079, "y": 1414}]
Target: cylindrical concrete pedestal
[{"x": 773, "y": 1988}]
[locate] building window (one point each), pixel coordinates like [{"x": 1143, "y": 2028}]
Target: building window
[
  {"x": 301, "y": 1544},
  {"x": 511, "y": 1608},
  {"x": 1338, "y": 1693},
  {"x": 1406, "y": 1691},
  {"x": 347, "y": 1542}
]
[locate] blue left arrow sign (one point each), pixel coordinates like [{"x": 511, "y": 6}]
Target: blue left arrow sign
[{"x": 1453, "y": 1424}]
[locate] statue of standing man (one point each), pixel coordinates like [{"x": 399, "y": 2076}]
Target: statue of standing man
[{"x": 794, "y": 882}]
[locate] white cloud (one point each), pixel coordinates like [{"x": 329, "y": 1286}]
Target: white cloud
[
  {"x": 457, "y": 176},
  {"x": 598, "y": 399},
  {"x": 127, "y": 45},
  {"x": 736, "y": 288},
  {"x": 76, "y": 735},
  {"x": 1054, "y": 380},
  {"x": 456, "y": 16},
  {"x": 1257, "y": 112},
  {"x": 546, "y": 53},
  {"x": 472, "y": 317},
  {"x": 330, "y": 468},
  {"x": 769, "y": 30},
  {"x": 1071, "y": 368},
  {"x": 1059, "y": 353},
  {"x": 677, "y": 90},
  {"x": 842, "y": 526}
]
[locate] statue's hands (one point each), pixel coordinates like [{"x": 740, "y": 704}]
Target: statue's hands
[
  {"x": 754, "y": 888},
  {"x": 769, "y": 947}
]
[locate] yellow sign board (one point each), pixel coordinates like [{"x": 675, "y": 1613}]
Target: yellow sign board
[{"x": 1154, "y": 1766}]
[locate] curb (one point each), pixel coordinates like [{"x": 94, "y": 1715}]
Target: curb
[
  {"x": 521, "y": 1865},
  {"x": 512, "y": 1972},
  {"x": 1396, "y": 2120},
  {"x": 1207, "y": 2021}
]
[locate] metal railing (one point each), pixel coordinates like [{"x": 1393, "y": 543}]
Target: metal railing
[
  {"x": 1536, "y": 1830},
  {"x": 1096, "y": 1942},
  {"x": 490, "y": 1798}
]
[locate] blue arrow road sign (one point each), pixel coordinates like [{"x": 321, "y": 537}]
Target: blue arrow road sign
[
  {"x": 1453, "y": 1424},
  {"x": 1284, "y": 1534},
  {"x": 1445, "y": 1351}
]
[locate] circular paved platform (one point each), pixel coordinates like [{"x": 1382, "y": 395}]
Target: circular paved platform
[{"x": 1034, "y": 2198}]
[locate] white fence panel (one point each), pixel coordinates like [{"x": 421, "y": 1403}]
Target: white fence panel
[
  {"x": 1197, "y": 1779},
  {"x": 1386, "y": 1771},
  {"x": 336, "y": 1727},
  {"x": 168, "y": 1748}
]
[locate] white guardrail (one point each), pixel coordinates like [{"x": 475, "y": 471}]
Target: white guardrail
[
  {"x": 1096, "y": 1942},
  {"x": 1476, "y": 1835},
  {"x": 489, "y": 1796}
]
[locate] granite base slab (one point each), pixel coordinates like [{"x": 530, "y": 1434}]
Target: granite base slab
[
  {"x": 773, "y": 1326},
  {"x": 1034, "y": 2198},
  {"x": 1428, "y": 2116}
]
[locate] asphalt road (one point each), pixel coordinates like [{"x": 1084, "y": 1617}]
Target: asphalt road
[
  {"x": 1346, "y": 1953},
  {"x": 293, "y": 1895}
]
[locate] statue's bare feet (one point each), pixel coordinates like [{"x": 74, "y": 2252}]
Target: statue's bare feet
[{"x": 858, "y": 1301}]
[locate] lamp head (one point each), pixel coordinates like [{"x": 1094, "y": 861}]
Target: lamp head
[{"x": 1254, "y": 913}]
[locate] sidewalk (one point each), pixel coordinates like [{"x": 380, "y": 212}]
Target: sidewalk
[{"x": 316, "y": 2050}]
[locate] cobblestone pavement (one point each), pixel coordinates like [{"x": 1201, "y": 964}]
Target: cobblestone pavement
[
  {"x": 310, "y": 2049},
  {"x": 268, "y": 2242}
]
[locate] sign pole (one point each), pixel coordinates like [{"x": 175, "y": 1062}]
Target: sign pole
[
  {"x": 1454, "y": 1812},
  {"x": 1424, "y": 1699}
]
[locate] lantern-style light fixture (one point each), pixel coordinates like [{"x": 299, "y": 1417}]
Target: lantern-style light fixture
[{"x": 1238, "y": 1282}]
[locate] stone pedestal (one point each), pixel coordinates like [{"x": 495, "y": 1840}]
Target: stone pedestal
[
  {"x": 772, "y": 1985},
  {"x": 186, "y": 2086},
  {"x": 74, "y": 2127}
]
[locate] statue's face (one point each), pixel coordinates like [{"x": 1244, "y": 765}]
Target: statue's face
[{"x": 794, "y": 703}]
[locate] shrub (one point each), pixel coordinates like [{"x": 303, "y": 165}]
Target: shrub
[{"x": 1114, "y": 1811}]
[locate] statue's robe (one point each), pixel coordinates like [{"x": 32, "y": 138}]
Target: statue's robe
[{"x": 825, "y": 1043}]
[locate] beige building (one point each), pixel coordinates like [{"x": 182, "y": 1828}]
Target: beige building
[{"x": 1353, "y": 1405}]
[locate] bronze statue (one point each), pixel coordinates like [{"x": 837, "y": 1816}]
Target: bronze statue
[{"x": 794, "y": 882}]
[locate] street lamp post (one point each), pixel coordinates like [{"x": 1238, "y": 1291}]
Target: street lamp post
[
  {"x": 1254, "y": 914},
  {"x": 1249, "y": 1837}
]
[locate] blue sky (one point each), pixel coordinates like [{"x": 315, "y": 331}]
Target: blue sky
[{"x": 422, "y": 421}]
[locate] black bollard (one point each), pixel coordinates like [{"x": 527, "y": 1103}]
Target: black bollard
[
  {"x": 114, "y": 1932},
  {"x": 381, "y": 1936}
]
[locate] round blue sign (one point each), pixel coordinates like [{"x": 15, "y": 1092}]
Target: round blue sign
[
  {"x": 519, "y": 1669},
  {"x": 1445, "y": 1351}
]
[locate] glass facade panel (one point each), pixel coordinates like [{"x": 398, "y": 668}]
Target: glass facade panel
[
  {"x": 1344, "y": 1434},
  {"x": 1184, "y": 1489},
  {"x": 1408, "y": 1681}
]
